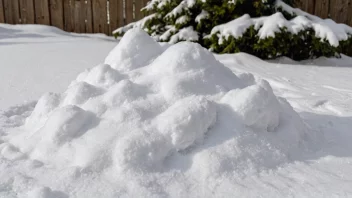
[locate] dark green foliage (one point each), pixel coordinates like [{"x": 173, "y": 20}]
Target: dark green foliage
[
  {"x": 346, "y": 46},
  {"x": 301, "y": 46}
]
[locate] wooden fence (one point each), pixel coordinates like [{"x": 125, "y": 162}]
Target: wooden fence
[
  {"x": 338, "y": 10},
  {"x": 81, "y": 16},
  {"x": 104, "y": 16}
]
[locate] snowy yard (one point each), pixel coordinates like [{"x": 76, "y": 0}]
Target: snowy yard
[{"x": 167, "y": 121}]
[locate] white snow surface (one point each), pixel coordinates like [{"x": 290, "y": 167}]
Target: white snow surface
[
  {"x": 37, "y": 59},
  {"x": 177, "y": 121}
]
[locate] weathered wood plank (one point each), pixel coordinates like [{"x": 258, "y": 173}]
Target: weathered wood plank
[
  {"x": 42, "y": 13},
  {"x": 116, "y": 14},
  {"x": 57, "y": 13},
  {"x": 139, "y": 4},
  {"x": 77, "y": 19},
  {"x": 12, "y": 12},
  {"x": 82, "y": 17},
  {"x": 310, "y": 6},
  {"x": 2, "y": 12},
  {"x": 16, "y": 11},
  {"x": 69, "y": 24},
  {"x": 27, "y": 11},
  {"x": 340, "y": 10},
  {"x": 100, "y": 17},
  {"x": 8, "y": 11},
  {"x": 129, "y": 11},
  {"x": 349, "y": 16},
  {"x": 89, "y": 16},
  {"x": 306, "y": 5},
  {"x": 322, "y": 8}
]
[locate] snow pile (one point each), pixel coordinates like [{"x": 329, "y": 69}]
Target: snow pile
[
  {"x": 150, "y": 111},
  {"x": 133, "y": 52}
]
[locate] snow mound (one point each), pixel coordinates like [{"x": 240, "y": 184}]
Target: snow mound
[
  {"x": 46, "y": 104},
  {"x": 102, "y": 75},
  {"x": 148, "y": 111},
  {"x": 187, "y": 69},
  {"x": 187, "y": 121},
  {"x": 256, "y": 106},
  {"x": 135, "y": 50}
]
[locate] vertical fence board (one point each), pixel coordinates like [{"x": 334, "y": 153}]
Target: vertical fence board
[
  {"x": 303, "y": 4},
  {"x": 11, "y": 10},
  {"x": 2, "y": 13},
  {"x": 82, "y": 16},
  {"x": 116, "y": 14},
  {"x": 16, "y": 11},
  {"x": 100, "y": 18},
  {"x": 27, "y": 11},
  {"x": 57, "y": 13},
  {"x": 8, "y": 11},
  {"x": 306, "y": 5},
  {"x": 76, "y": 18},
  {"x": 129, "y": 11},
  {"x": 300, "y": 4},
  {"x": 68, "y": 15},
  {"x": 88, "y": 16},
  {"x": 310, "y": 5},
  {"x": 42, "y": 13},
  {"x": 139, "y": 4},
  {"x": 349, "y": 15},
  {"x": 340, "y": 10},
  {"x": 322, "y": 8}
]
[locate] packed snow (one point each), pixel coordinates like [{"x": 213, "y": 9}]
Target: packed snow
[{"x": 176, "y": 121}]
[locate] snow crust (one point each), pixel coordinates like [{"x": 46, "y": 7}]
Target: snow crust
[{"x": 150, "y": 115}]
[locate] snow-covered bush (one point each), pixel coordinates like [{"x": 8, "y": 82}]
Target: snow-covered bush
[
  {"x": 273, "y": 36},
  {"x": 267, "y": 29}
]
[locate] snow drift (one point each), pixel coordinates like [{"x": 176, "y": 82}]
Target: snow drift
[{"x": 154, "y": 115}]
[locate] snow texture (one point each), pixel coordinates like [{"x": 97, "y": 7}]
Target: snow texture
[
  {"x": 172, "y": 121},
  {"x": 146, "y": 107}
]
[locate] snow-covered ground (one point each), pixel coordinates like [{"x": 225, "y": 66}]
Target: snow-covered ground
[
  {"x": 168, "y": 122},
  {"x": 36, "y": 59}
]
